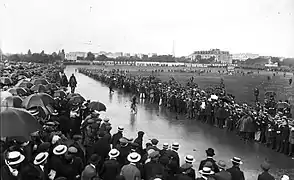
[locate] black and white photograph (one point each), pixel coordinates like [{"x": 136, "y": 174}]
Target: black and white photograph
[{"x": 147, "y": 89}]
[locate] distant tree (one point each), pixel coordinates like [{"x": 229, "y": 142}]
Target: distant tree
[
  {"x": 29, "y": 52},
  {"x": 90, "y": 56},
  {"x": 101, "y": 58},
  {"x": 54, "y": 54},
  {"x": 14, "y": 57},
  {"x": 42, "y": 53}
]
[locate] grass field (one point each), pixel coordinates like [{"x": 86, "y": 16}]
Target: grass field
[{"x": 240, "y": 86}]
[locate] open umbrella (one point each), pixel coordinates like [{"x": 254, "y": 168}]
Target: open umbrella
[
  {"x": 24, "y": 83},
  {"x": 5, "y": 80},
  {"x": 51, "y": 87},
  {"x": 59, "y": 93},
  {"x": 17, "y": 122},
  {"x": 73, "y": 95},
  {"x": 4, "y": 94},
  {"x": 96, "y": 105},
  {"x": 12, "y": 101},
  {"x": 76, "y": 100},
  {"x": 39, "y": 99},
  {"x": 17, "y": 91},
  {"x": 282, "y": 105},
  {"x": 40, "y": 81},
  {"x": 38, "y": 88}
]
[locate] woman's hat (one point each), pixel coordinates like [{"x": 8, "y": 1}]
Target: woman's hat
[
  {"x": 60, "y": 149},
  {"x": 189, "y": 159},
  {"x": 14, "y": 158},
  {"x": 237, "y": 160},
  {"x": 40, "y": 158},
  {"x": 175, "y": 146},
  {"x": 221, "y": 164},
  {"x": 134, "y": 157},
  {"x": 113, "y": 153},
  {"x": 206, "y": 171}
]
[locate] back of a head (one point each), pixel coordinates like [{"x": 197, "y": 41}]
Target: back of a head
[{"x": 120, "y": 177}]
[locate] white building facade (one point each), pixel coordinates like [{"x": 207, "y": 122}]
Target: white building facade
[
  {"x": 245, "y": 56},
  {"x": 73, "y": 56},
  {"x": 220, "y": 56}
]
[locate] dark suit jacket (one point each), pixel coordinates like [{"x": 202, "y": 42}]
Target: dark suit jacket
[
  {"x": 265, "y": 176},
  {"x": 110, "y": 169},
  {"x": 223, "y": 175},
  {"x": 152, "y": 169},
  {"x": 61, "y": 167},
  {"x": 236, "y": 173},
  {"x": 43, "y": 175},
  {"x": 214, "y": 166}
]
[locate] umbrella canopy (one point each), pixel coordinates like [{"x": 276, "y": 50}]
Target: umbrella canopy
[
  {"x": 4, "y": 94},
  {"x": 282, "y": 105},
  {"x": 12, "y": 101},
  {"x": 51, "y": 87},
  {"x": 73, "y": 95},
  {"x": 17, "y": 122},
  {"x": 5, "y": 80},
  {"x": 96, "y": 105},
  {"x": 24, "y": 83},
  {"x": 76, "y": 100},
  {"x": 40, "y": 81},
  {"x": 38, "y": 88},
  {"x": 59, "y": 93},
  {"x": 39, "y": 99},
  {"x": 17, "y": 91}
]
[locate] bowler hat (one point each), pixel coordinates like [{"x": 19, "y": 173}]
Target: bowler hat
[{"x": 210, "y": 152}]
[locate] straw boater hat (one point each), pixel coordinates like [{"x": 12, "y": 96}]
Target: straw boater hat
[
  {"x": 40, "y": 158},
  {"x": 237, "y": 160},
  {"x": 285, "y": 177},
  {"x": 189, "y": 159},
  {"x": 165, "y": 146},
  {"x": 60, "y": 150},
  {"x": 206, "y": 171},
  {"x": 113, "y": 153},
  {"x": 134, "y": 157},
  {"x": 120, "y": 128},
  {"x": 14, "y": 158},
  {"x": 175, "y": 146}
]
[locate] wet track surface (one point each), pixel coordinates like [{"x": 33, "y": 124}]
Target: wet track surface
[{"x": 194, "y": 137}]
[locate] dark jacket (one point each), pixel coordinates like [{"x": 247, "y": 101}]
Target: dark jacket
[
  {"x": 223, "y": 175},
  {"x": 110, "y": 169},
  {"x": 265, "y": 176},
  {"x": 115, "y": 138},
  {"x": 61, "y": 167},
  {"x": 152, "y": 169},
  {"x": 236, "y": 173},
  {"x": 214, "y": 166}
]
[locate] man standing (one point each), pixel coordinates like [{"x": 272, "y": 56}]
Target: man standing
[
  {"x": 235, "y": 171},
  {"x": 209, "y": 153},
  {"x": 72, "y": 83},
  {"x": 265, "y": 175}
]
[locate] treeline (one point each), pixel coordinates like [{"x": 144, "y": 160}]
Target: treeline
[{"x": 37, "y": 57}]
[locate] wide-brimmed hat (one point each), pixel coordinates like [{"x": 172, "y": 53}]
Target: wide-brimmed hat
[
  {"x": 210, "y": 152},
  {"x": 123, "y": 140},
  {"x": 40, "y": 158},
  {"x": 265, "y": 166},
  {"x": 106, "y": 119},
  {"x": 237, "y": 160},
  {"x": 60, "y": 149},
  {"x": 72, "y": 150},
  {"x": 189, "y": 159},
  {"x": 154, "y": 155},
  {"x": 134, "y": 157},
  {"x": 14, "y": 158},
  {"x": 206, "y": 171},
  {"x": 113, "y": 153},
  {"x": 222, "y": 164}
]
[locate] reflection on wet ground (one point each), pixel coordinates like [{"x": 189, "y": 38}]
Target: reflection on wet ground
[{"x": 193, "y": 136}]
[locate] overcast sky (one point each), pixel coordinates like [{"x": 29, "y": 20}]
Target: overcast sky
[{"x": 145, "y": 26}]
